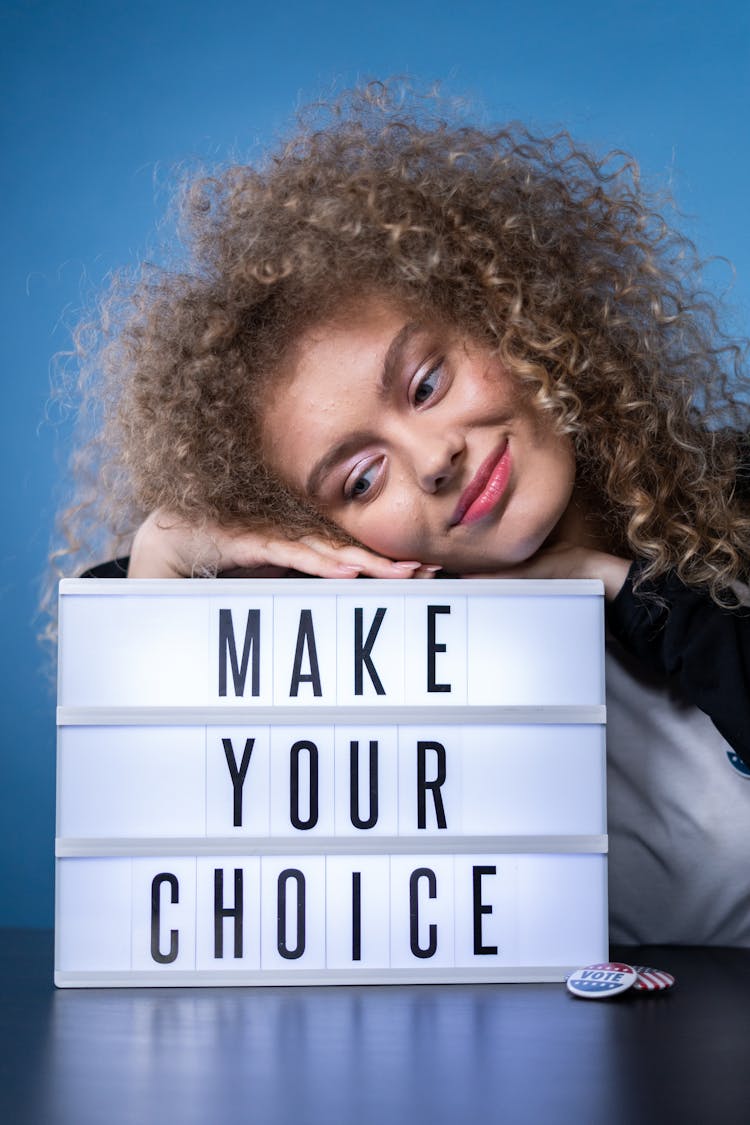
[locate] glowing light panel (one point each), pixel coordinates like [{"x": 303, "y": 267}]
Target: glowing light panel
[{"x": 319, "y": 782}]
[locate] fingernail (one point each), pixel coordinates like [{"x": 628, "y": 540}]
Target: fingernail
[
  {"x": 433, "y": 569},
  {"x": 407, "y": 565},
  {"x": 349, "y": 569}
]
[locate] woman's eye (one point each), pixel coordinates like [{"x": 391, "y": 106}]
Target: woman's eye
[
  {"x": 427, "y": 385},
  {"x": 362, "y": 482}
]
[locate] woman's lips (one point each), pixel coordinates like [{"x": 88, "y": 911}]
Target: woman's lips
[{"x": 486, "y": 488}]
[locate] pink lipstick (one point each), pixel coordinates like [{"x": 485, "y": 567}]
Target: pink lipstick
[{"x": 486, "y": 488}]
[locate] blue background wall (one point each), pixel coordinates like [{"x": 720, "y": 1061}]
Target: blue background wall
[{"x": 102, "y": 99}]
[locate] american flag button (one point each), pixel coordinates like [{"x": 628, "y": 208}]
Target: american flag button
[
  {"x": 597, "y": 982},
  {"x": 652, "y": 980}
]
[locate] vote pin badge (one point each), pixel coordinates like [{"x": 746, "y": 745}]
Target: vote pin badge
[
  {"x": 652, "y": 980},
  {"x": 597, "y": 982}
]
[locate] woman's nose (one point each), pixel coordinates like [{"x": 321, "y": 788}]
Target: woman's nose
[{"x": 437, "y": 461}]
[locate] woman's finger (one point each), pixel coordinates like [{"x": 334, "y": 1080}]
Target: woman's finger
[
  {"x": 427, "y": 571},
  {"x": 364, "y": 560},
  {"x": 295, "y": 554}
]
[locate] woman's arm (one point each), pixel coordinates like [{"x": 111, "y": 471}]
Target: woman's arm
[
  {"x": 166, "y": 546},
  {"x": 680, "y": 632},
  {"x": 569, "y": 561}
]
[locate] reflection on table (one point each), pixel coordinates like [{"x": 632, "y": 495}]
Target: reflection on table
[{"x": 510, "y": 1053}]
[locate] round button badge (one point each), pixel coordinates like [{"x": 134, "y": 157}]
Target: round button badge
[
  {"x": 652, "y": 980},
  {"x": 597, "y": 982}
]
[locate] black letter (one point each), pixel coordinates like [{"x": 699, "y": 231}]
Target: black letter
[
  {"x": 433, "y": 647},
  {"x": 362, "y": 651},
  {"x": 237, "y": 775},
  {"x": 156, "y": 885},
  {"x": 356, "y": 915},
  {"x": 281, "y": 945},
  {"x": 305, "y": 634},
  {"x": 221, "y": 912},
  {"x": 418, "y": 950},
  {"x": 372, "y": 819},
  {"x": 227, "y": 644},
  {"x": 480, "y": 908},
  {"x": 423, "y": 785},
  {"x": 294, "y": 815}
]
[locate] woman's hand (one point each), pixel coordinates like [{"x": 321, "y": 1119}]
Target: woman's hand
[
  {"x": 165, "y": 546},
  {"x": 565, "y": 560}
]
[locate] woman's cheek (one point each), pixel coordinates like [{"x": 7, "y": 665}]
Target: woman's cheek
[{"x": 394, "y": 534}]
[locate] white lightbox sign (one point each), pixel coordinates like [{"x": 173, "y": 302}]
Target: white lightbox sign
[{"x": 310, "y": 781}]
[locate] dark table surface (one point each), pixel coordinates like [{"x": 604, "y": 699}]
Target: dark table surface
[{"x": 515, "y": 1054}]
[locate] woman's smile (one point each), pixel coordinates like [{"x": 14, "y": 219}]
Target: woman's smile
[
  {"x": 416, "y": 441},
  {"x": 485, "y": 491}
]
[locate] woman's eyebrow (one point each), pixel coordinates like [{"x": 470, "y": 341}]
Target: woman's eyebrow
[
  {"x": 394, "y": 357},
  {"x": 338, "y": 452}
]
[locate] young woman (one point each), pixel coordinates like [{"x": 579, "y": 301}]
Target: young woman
[{"x": 404, "y": 348}]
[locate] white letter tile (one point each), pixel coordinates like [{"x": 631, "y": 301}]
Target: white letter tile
[
  {"x": 442, "y": 748},
  {"x": 386, "y": 739},
  {"x": 431, "y": 927},
  {"x": 498, "y": 923},
  {"x": 357, "y": 938},
  {"x": 378, "y": 676},
  {"x": 305, "y": 944},
  {"x": 221, "y": 790},
  {"x": 311, "y": 623},
  {"x": 436, "y": 668},
  {"x": 176, "y": 916},
  {"x": 248, "y": 924},
  {"x": 238, "y": 653},
  {"x": 313, "y": 743}
]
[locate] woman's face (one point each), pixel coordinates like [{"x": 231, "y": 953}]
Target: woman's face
[{"x": 415, "y": 441}]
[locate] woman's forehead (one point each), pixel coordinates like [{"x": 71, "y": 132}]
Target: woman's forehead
[
  {"x": 353, "y": 336},
  {"x": 368, "y": 310},
  {"x": 361, "y": 326},
  {"x": 347, "y": 348}
]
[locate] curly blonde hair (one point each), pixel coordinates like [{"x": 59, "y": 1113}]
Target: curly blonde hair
[{"x": 554, "y": 257}]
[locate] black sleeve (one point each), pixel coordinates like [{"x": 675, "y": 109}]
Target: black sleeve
[
  {"x": 681, "y": 632},
  {"x": 115, "y": 568}
]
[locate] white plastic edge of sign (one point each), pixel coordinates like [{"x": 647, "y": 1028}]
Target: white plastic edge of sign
[
  {"x": 443, "y": 588},
  {"x": 589, "y": 715},
  {"x": 67, "y": 847},
  {"x": 533, "y": 974}
]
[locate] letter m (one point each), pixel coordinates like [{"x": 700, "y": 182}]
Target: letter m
[{"x": 228, "y": 649}]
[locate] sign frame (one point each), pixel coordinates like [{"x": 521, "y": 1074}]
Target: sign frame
[{"x": 419, "y": 847}]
